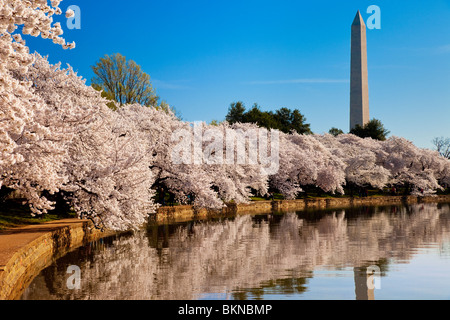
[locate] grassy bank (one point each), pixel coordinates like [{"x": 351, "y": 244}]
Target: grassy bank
[{"x": 13, "y": 214}]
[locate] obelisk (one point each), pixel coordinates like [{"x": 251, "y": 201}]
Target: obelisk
[{"x": 359, "y": 83}]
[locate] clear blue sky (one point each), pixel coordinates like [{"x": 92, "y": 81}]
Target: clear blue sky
[{"x": 204, "y": 54}]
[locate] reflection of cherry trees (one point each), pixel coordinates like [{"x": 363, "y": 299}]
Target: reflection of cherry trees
[{"x": 246, "y": 252}]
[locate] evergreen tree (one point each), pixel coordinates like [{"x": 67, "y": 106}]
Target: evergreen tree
[
  {"x": 373, "y": 129},
  {"x": 283, "y": 119},
  {"x": 335, "y": 132}
]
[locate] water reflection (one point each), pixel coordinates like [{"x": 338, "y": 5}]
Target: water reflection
[{"x": 248, "y": 257}]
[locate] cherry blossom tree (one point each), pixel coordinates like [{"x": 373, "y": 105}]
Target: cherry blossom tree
[
  {"x": 105, "y": 168},
  {"x": 204, "y": 174},
  {"x": 411, "y": 166},
  {"x": 395, "y": 161},
  {"x": 362, "y": 159},
  {"x": 28, "y": 154},
  {"x": 58, "y": 137},
  {"x": 304, "y": 160},
  {"x": 110, "y": 178}
]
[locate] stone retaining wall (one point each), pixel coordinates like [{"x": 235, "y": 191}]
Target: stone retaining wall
[
  {"x": 26, "y": 251},
  {"x": 185, "y": 213}
]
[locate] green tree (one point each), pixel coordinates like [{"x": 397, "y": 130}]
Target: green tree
[
  {"x": 373, "y": 129},
  {"x": 283, "y": 119},
  {"x": 166, "y": 108},
  {"x": 236, "y": 112},
  {"x": 123, "y": 82},
  {"x": 335, "y": 131},
  {"x": 291, "y": 120},
  {"x": 215, "y": 122},
  {"x": 261, "y": 118}
]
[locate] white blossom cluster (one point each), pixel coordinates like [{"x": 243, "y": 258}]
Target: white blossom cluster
[
  {"x": 332, "y": 162},
  {"x": 57, "y": 135}
]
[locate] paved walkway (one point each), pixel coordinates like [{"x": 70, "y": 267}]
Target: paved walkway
[{"x": 11, "y": 240}]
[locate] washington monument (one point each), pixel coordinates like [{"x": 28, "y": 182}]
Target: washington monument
[{"x": 359, "y": 86}]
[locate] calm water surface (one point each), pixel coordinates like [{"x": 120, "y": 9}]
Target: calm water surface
[{"x": 299, "y": 255}]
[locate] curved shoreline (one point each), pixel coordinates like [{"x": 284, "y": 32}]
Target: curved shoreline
[{"x": 25, "y": 251}]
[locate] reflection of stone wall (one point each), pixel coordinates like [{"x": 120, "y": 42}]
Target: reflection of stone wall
[{"x": 244, "y": 253}]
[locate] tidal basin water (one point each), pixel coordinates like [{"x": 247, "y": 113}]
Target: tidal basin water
[{"x": 394, "y": 252}]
